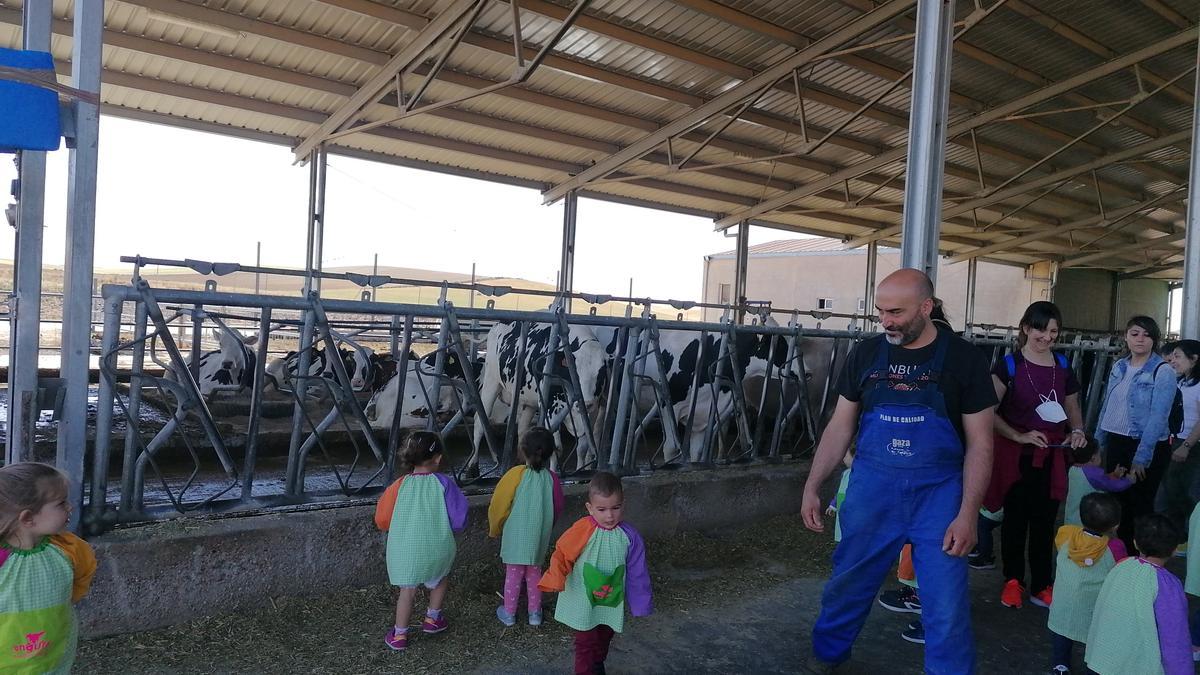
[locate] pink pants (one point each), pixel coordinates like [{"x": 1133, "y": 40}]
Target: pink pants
[{"x": 513, "y": 574}]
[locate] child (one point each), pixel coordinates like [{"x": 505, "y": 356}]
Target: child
[
  {"x": 1140, "y": 621},
  {"x": 420, "y": 512},
  {"x": 43, "y": 570},
  {"x": 984, "y": 555},
  {"x": 1085, "y": 556},
  {"x": 1192, "y": 581},
  {"x": 525, "y": 504},
  {"x": 598, "y": 565},
  {"x": 836, "y": 504},
  {"x": 1087, "y": 476}
]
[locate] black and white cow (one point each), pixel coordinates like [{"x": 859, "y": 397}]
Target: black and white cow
[
  {"x": 419, "y": 392},
  {"x": 230, "y": 368},
  {"x": 499, "y": 372},
  {"x": 360, "y": 364},
  {"x": 692, "y": 395}
]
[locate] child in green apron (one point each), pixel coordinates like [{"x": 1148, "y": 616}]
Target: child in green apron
[
  {"x": 420, "y": 512},
  {"x": 598, "y": 565},
  {"x": 1140, "y": 621},
  {"x": 1191, "y": 583},
  {"x": 43, "y": 571},
  {"x": 524, "y": 507},
  {"x": 835, "y": 505},
  {"x": 1085, "y": 556},
  {"x": 1087, "y": 476}
]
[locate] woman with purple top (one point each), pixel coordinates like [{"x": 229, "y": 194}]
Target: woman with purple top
[
  {"x": 1140, "y": 621},
  {"x": 1037, "y": 423},
  {"x": 1133, "y": 431}
]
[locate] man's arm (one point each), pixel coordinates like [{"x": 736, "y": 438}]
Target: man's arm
[
  {"x": 977, "y": 471},
  {"x": 832, "y": 447}
]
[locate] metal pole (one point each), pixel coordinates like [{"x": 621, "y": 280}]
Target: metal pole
[
  {"x": 927, "y": 136},
  {"x": 1189, "y": 326},
  {"x": 566, "y": 267},
  {"x": 741, "y": 260},
  {"x": 972, "y": 278},
  {"x": 872, "y": 273},
  {"x": 258, "y": 263},
  {"x": 374, "y": 273},
  {"x": 87, "y": 38},
  {"x": 26, "y": 303}
]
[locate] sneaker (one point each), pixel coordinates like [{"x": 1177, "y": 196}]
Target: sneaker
[
  {"x": 981, "y": 563},
  {"x": 915, "y": 633},
  {"x": 903, "y": 599},
  {"x": 535, "y": 618},
  {"x": 432, "y": 625},
  {"x": 505, "y": 618},
  {"x": 1196, "y": 654},
  {"x": 1060, "y": 670},
  {"x": 1043, "y": 598},
  {"x": 1013, "y": 594},
  {"x": 1181, "y": 550},
  {"x": 396, "y": 642}
]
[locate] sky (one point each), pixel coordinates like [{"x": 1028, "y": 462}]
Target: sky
[{"x": 174, "y": 193}]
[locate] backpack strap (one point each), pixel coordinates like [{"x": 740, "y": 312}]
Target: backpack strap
[
  {"x": 1062, "y": 360},
  {"x": 1010, "y": 363}
]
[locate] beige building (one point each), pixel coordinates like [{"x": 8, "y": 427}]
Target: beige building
[{"x": 819, "y": 273}]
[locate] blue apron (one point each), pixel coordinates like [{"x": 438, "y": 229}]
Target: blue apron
[{"x": 906, "y": 487}]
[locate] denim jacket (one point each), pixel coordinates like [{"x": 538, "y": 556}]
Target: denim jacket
[{"x": 1150, "y": 400}]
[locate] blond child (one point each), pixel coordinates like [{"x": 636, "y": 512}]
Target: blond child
[
  {"x": 420, "y": 512},
  {"x": 526, "y": 503},
  {"x": 598, "y": 566},
  {"x": 44, "y": 570},
  {"x": 835, "y": 504},
  {"x": 1085, "y": 556}
]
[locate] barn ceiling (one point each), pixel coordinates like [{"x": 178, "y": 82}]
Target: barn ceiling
[{"x": 1069, "y": 131}]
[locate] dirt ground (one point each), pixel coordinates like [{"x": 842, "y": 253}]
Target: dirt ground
[{"x": 727, "y": 602}]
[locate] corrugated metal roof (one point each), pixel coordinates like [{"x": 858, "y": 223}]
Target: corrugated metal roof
[{"x": 276, "y": 68}]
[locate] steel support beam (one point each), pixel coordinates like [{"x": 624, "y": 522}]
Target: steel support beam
[
  {"x": 927, "y": 137},
  {"x": 566, "y": 265},
  {"x": 740, "y": 93},
  {"x": 869, "y": 290},
  {"x": 385, "y": 76},
  {"x": 80, "y": 248},
  {"x": 1091, "y": 221},
  {"x": 1016, "y": 105},
  {"x": 972, "y": 286},
  {"x": 314, "y": 249},
  {"x": 26, "y": 302},
  {"x": 741, "y": 265},
  {"x": 1189, "y": 326}
]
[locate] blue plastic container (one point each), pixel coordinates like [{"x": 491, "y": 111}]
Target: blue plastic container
[{"x": 28, "y": 114}]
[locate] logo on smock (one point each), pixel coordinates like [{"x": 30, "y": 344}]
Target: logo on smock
[
  {"x": 34, "y": 644},
  {"x": 901, "y": 447}
]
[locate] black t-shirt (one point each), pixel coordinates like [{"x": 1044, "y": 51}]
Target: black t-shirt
[{"x": 965, "y": 381}]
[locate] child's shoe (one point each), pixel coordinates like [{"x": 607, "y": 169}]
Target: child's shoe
[
  {"x": 1181, "y": 550},
  {"x": 1013, "y": 594},
  {"x": 915, "y": 633},
  {"x": 505, "y": 618},
  {"x": 1196, "y": 654},
  {"x": 903, "y": 599},
  {"x": 432, "y": 625},
  {"x": 535, "y": 618},
  {"x": 393, "y": 640},
  {"x": 1043, "y": 598},
  {"x": 1060, "y": 670}
]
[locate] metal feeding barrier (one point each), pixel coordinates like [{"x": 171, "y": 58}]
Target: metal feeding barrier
[{"x": 208, "y": 455}]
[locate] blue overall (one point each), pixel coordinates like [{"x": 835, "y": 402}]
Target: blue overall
[{"x": 906, "y": 487}]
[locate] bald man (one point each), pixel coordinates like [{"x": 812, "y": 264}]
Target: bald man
[{"x": 920, "y": 400}]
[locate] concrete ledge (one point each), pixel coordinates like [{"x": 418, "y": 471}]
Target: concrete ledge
[{"x": 160, "y": 575}]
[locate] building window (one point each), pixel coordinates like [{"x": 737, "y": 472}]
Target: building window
[
  {"x": 723, "y": 294},
  {"x": 824, "y": 303}
]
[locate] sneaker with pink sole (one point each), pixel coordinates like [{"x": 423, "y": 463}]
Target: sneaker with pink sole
[
  {"x": 432, "y": 625},
  {"x": 397, "y": 642}
]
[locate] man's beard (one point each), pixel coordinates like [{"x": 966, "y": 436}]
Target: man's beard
[{"x": 909, "y": 332}]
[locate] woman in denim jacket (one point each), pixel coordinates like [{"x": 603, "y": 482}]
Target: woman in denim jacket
[{"x": 1133, "y": 421}]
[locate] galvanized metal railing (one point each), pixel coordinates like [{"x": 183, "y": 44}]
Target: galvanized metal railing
[{"x": 359, "y": 462}]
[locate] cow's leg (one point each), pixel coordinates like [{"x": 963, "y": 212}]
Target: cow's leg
[{"x": 483, "y": 417}]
